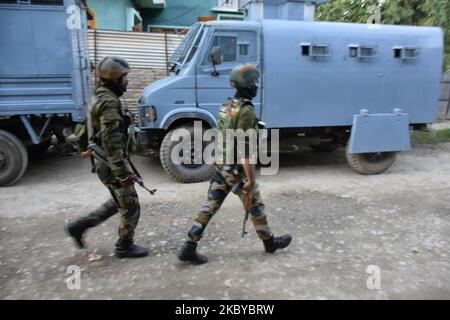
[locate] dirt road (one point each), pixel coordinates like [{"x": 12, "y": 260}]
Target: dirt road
[{"x": 341, "y": 222}]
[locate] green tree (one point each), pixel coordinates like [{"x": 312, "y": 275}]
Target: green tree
[{"x": 405, "y": 12}]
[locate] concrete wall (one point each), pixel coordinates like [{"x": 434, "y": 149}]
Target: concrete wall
[
  {"x": 178, "y": 13},
  {"x": 112, "y": 14},
  {"x": 138, "y": 79}
]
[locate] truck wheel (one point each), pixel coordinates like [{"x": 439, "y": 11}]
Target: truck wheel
[
  {"x": 325, "y": 147},
  {"x": 371, "y": 163},
  {"x": 185, "y": 173},
  {"x": 13, "y": 158}
]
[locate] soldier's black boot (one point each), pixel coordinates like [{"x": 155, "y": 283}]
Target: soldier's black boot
[
  {"x": 125, "y": 248},
  {"x": 188, "y": 252},
  {"x": 275, "y": 243},
  {"x": 76, "y": 230}
]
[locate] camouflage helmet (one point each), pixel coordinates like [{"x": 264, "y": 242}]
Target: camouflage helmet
[
  {"x": 113, "y": 68},
  {"x": 244, "y": 76}
]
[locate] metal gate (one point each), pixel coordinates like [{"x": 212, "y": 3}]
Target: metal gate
[{"x": 141, "y": 49}]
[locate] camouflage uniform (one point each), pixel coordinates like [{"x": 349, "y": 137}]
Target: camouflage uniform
[
  {"x": 110, "y": 127},
  {"x": 236, "y": 117},
  {"x": 237, "y": 113}
]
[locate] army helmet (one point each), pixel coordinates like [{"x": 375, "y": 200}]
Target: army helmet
[
  {"x": 113, "y": 68},
  {"x": 244, "y": 76}
]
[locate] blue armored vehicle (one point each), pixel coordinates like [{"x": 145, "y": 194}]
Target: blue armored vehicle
[
  {"x": 324, "y": 84},
  {"x": 44, "y": 77}
]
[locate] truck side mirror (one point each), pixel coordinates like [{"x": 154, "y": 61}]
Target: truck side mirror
[{"x": 216, "y": 58}]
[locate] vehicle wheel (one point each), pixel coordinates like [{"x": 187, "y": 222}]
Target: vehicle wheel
[
  {"x": 371, "y": 163},
  {"x": 185, "y": 173},
  {"x": 13, "y": 158},
  {"x": 325, "y": 147}
]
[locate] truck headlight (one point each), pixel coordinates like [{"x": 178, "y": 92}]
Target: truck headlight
[{"x": 150, "y": 114}]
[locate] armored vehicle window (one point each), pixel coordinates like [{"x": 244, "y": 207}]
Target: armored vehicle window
[
  {"x": 320, "y": 50},
  {"x": 411, "y": 53},
  {"x": 35, "y": 2},
  {"x": 368, "y": 51},
  {"x": 247, "y": 47},
  {"x": 397, "y": 53},
  {"x": 243, "y": 49},
  {"x": 48, "y": 2},
  {"x": 186, "y": 44},
  {"x": 194, "y": 47},
  {"x": 406, "y": 53},
  {"x": 227, "y": 47},
  {"x": 305, "y": 49},
  {"x": 237, "y": 46},
  {"x": 353, "y": 52},
  {"x": 314, "y": 49},
  {"x": 362, "y": 51}
]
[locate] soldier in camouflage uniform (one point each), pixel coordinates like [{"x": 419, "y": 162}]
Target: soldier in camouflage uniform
[
  {"x": 237, "y": 113},
  {"x": 108, "y": 125}
]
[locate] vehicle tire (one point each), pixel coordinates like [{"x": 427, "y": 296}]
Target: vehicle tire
[
  {"x": 370, "y": 163},
  {"x": 13, "y": 158},
  {"x": 325, "y": 147},
  {"x": 185, "y": 173}
]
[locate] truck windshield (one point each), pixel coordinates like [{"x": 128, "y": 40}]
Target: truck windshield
[{"x": 188, "y": 45}]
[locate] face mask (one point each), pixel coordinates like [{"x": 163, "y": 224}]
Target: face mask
[
  {"x": 253, "y": 90},
  {"x": 247, "y": 93},
  {"x": 123, "y": 88},
  {"x": 118, "y": 87},
  {"x": 123, "y": 84}
]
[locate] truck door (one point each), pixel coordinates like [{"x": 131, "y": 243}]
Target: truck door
[
  {"x": 237, "y": 47},
  {"x": 81, "y": 64}
]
